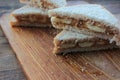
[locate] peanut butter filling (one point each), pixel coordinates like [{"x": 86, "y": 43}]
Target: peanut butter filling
[
  {"x": 86, "y": 24},
  {"x": 81, "y": 44},
  {"x": 33, "y": 19}
]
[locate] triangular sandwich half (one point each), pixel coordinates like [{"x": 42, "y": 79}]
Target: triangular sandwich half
[
  {"x": 90, "y": 19},
  {"x": 31, "y": 16},
  {"x": 69, "y": 41}
]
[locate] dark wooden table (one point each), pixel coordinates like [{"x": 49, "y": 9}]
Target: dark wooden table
[{"x": 9, "y": 65}]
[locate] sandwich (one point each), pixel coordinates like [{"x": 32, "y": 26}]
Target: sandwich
[
  {"x": 31, "y": 16},
  {"x": 69, "y": 41},
  {"x": 90, "y": 19},
  {"x": 46, "y": 4}
]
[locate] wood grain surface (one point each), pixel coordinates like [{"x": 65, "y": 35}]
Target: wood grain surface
[{"x": 33, "y": 48}]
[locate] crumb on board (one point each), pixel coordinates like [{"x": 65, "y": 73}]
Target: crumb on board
[{"x": 83, "y": 69}]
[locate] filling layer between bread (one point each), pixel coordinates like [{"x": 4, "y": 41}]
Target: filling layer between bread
[
  {"x": 81, "y": 44},
  {"x": 85, "y": 24},
  {"x": 33, "y": 19}
]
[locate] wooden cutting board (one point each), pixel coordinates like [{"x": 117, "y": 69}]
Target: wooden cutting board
[{"x": 33, "y": 48}]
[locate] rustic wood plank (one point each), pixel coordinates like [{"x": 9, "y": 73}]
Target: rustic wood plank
[
  {"x": 3, "y": 40},
  {"x": 9, "y": 66},
  {"x": 11, "y": 3},
  {"x": 15, "y": 74},
  {"x": 1, "y": 33},
  {"x": 112, "y": 5},
  {"x": 8, "y": 62},
  {"x": 7, "y": 58}
]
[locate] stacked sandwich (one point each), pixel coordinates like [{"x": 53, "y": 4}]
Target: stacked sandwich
[
  {"x": 87, "y": 27},
  {"x": 35, "y": 13}
]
